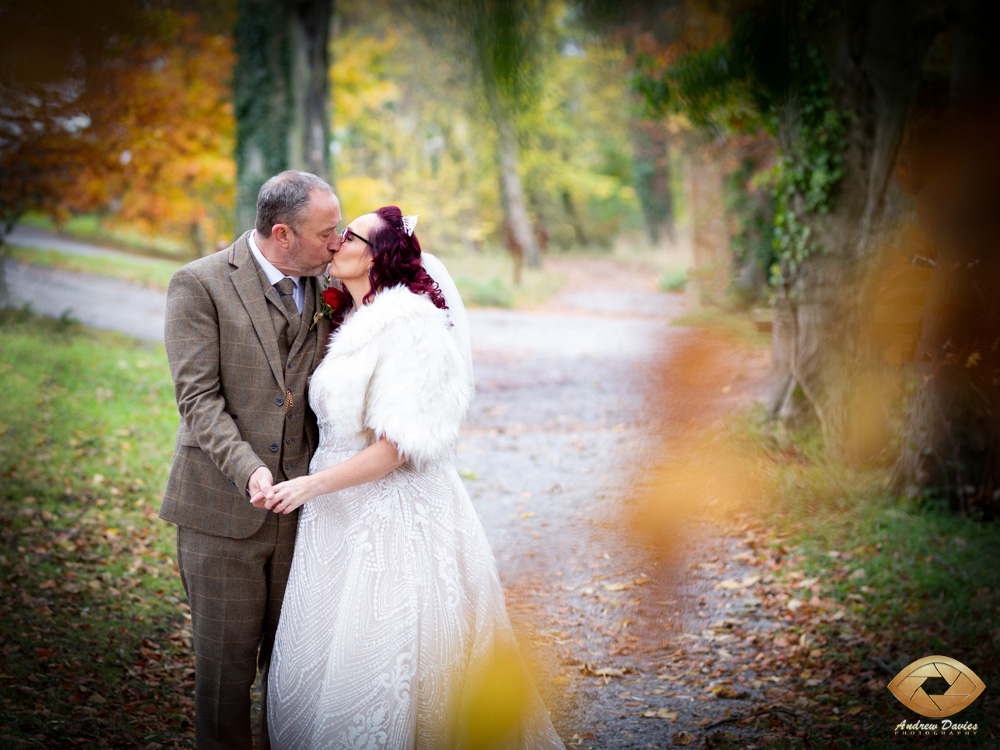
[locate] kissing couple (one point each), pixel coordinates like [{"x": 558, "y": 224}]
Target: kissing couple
[{"x": 324, "y": 536}]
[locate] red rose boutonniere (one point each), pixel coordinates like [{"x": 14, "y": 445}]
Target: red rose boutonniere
[{"x": 332, "y": 299}]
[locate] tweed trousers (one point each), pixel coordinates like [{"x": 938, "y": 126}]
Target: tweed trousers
[{"x": 234, "y": 588}]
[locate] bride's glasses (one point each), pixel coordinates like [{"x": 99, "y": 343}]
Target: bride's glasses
[{"x": 349, "y": 234}]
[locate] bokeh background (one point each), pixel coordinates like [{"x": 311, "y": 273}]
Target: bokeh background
[{"x": 805, "y": 195}]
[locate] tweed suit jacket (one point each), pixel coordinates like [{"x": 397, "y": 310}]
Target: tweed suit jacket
[{"x": 229, "y": 380}]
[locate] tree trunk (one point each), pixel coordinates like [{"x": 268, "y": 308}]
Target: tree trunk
[
  {"x": 652, "y": 178},
  {"x": 709, "y": 240},
  {"x": 310, "y": 87},
  {"x": 952, "y": 444},
  {"x": 820, "y": 354},
  {"x": 280, "y": 90},
  {"x": 573, "y": 217},
  {"x": 510, "y": 185}
]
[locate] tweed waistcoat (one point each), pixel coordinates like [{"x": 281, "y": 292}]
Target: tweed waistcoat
[{"x": 296, "y": 444}]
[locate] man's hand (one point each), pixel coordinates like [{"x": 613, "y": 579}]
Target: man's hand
[
  {"x": 287, "y": 496},
  {"x": 260, "y": 481}
]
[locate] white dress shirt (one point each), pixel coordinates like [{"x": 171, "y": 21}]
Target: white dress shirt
[{"x": 274, "y": 275}]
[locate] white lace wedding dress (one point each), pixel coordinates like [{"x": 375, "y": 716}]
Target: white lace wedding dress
[{"x": 394, "y": 609}]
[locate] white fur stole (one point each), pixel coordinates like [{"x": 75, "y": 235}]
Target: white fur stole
[{"x": 393, "y": 370}]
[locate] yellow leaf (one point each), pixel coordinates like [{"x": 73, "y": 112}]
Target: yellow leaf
[
  {"x": 660, "y": 713},
  {"x": 616, "y": 586}
]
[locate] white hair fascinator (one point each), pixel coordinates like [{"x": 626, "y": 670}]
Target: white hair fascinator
[{"x": 409, "y": 224}]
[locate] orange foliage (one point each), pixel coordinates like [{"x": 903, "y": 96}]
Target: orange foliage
[
  {"x": 165, "y": 132},
  {"x": 664, "y": 36},
  {"x": 149, "y": 147}
]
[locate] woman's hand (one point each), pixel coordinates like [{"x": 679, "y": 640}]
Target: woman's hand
[
  {"x": 286, "y": 496},
  {"x": 374, "y": 462}
]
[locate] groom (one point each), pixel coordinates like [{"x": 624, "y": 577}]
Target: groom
[{"x": 241, "y": 349}]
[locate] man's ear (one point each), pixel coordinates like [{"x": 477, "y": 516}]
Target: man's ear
[{"x": 283, "y": 235}]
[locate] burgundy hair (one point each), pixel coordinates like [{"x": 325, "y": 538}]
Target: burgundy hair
[{"x": 395, "y": 260}]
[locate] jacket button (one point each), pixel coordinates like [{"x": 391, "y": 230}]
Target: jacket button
[
  {"x": 274, "y": 447},
  {"x": 288, "y": 441},
  {"x": 289, "y": 467},
  {"x": 279, "y": 401}
]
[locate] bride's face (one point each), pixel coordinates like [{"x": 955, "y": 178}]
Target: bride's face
[{"x": 352, "y": 261}]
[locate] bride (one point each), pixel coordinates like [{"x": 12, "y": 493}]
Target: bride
[{"x": 393, "y": 631}]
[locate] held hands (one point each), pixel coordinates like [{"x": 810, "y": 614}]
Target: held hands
[
  {"x": 260, "y": 480},
  {"x": 286, "y": 496},
  {"x": 372, "y": 463}
]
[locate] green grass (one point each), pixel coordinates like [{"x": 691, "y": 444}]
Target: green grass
[
  {"x": 150, "y": 272},
  {"x": 96, "y": 646},
  {"x": 673, "y": 280},
  {"x": 485, "y": 292},
  {"x": 486, "y": 279},
  {"x": 914, "y": 557},
  {"x": 913, "y": 580}
]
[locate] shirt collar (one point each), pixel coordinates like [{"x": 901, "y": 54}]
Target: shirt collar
[{"x": 272, "y": 273}]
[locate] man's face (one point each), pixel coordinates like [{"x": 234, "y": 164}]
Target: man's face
[{"x": 316, "y": 238}]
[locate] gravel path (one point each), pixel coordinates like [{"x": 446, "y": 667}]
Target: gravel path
[
  {"x": 96, "y": 301},
  {"x": 559, "y": 434}
]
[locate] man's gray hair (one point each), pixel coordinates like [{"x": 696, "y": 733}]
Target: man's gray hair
[{"x": 283, "y": 199}]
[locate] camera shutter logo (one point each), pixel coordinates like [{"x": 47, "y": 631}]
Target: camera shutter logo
[{"x": 963, "y": 686}]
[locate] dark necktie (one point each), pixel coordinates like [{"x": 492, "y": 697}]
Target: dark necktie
[{"x": 286, "y": 288}]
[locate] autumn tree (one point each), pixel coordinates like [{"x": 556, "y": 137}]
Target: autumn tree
[
  {"x": 396, "y": 138},
  {"x": 51, "y": 62},
  {"x": 163, "y": 138},
  {"x": 575, "y": 152},
  {"x": 141, "y": 135}
]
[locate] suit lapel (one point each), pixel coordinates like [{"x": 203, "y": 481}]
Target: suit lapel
[{"x": 245, "y": 278}]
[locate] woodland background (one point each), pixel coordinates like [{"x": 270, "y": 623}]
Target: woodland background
[{"x": 825, "y": 172}]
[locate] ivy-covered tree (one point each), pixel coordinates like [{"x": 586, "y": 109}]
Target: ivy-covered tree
[
  {"x": 837, "y": 84},
  {"x": 281, "y": 93}
]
